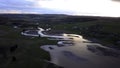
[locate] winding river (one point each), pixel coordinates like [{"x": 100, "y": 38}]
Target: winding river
[{"x": 82, "y": 53}]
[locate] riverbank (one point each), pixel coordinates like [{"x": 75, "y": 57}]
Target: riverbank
[{"x": 103, "y": 43}]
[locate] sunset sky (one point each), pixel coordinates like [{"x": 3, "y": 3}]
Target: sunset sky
[{"x": 70, "y": 7}]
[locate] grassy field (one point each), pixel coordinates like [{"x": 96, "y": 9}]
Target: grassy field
[
  {"x": 28, "y": 54},
  {"x": 107, "y": 27}
]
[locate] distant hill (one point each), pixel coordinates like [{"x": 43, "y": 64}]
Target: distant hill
[{"x": 51, "y": 18}]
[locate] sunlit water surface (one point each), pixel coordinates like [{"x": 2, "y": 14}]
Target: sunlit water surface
[{"x": 84, "y": 55}]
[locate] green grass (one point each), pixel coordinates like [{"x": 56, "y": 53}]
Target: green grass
[{"x": 28, "y": 53}]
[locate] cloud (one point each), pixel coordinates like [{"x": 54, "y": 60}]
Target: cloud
[
  {"x": 16, "y": 12},
  {"x": 72, "y": 7},
  {"x": 19, "y": 6},
  {"x": 26, "y": 6},
  {"x": 116, "y": 0},
  {"x": 83, "y": 7},
  {"x": 16, "y": 3},
  {"x": 10, "y": 11}
]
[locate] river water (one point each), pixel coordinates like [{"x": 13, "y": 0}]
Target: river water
[
  {"x": 81, "y": 54},
  {"x": 84, "y": 55}
]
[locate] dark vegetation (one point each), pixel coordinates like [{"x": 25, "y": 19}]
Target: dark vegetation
[{"x": 17, "y": 51}]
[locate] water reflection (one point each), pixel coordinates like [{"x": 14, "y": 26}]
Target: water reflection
[
  {"x": 103, "y": 51},
  {"x": 83, "y": 54},
  {"x": 73, "y": 57}
]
